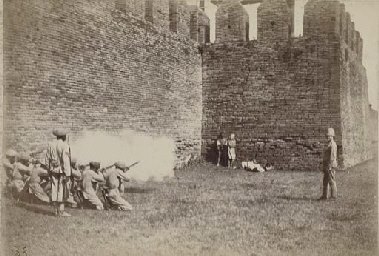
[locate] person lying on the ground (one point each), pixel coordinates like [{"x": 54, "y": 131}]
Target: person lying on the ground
[{"x": 253, "y": 166}]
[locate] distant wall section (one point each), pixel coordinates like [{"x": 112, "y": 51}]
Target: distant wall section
[
  {"x": 279, "y": 102},
  {"x": 99, "y": 65}
]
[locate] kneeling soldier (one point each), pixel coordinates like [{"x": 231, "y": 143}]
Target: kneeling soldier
[
  {"x": 114, "y": 178},
  {"x": 91, "y": 177},
  {"x": 71, "y": 184},
  {"x": 14, "y": 181},
  {"x": 22, "y": 174},
  {"x": 34, "y": 184}
]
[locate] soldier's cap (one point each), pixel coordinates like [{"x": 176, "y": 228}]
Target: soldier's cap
[
  {"x": 11, "y": 153},
  {"x": 95, "y": 165},
  {"x": 120, "y": 165},
  {"x": 59, "y": 132},
  {"x": 330, "y": 132},
  {"x": 24, "y": 157}
]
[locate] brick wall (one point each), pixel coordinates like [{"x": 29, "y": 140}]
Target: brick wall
[
  {"x": 279, "y": 102},
  {"x": 275, "y": 21},
  {"x": 231, "y": 22},
  {"x": 87, "y": 65},
  {"x": 199, "y": 24},
  {"x": 354, "y": 109},
  {"x": 279, "y": 95}
]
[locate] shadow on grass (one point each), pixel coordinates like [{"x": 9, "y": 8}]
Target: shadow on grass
[
  {"x": 36, "y": 208},
  {"x": 138, "y": 190},
  {"x": 294, "y": 198},
  {"x": 347, "y": 216}
]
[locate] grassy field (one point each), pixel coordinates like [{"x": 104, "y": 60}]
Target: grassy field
[{"x": 211, "y": 211}]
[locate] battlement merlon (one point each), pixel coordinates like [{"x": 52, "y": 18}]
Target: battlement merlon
[
  {"x": 232, "y": 22},
  {"x": 243, "y": 2},
  {"x": 173, "y": 15},
  {"x": 199, "y": 25}
]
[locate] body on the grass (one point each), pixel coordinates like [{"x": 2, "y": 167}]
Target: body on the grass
[
  {"x": 114, "y": 179},
  {"x": 90, "y": 179},
  {"x": 58, "y": 162},
  {"x": 330, "y": 167},
  {"x": 253, "y": 166}
]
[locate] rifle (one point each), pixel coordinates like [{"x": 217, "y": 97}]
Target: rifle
[
  {"x": 67, "y": 189},
  {"x": 36, "y": 152},
  {"x": 133, "y": 164},
  {"x": 106, "y": 168}
]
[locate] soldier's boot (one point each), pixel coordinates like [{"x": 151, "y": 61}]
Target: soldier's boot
[{"x": 61, "y": 211}]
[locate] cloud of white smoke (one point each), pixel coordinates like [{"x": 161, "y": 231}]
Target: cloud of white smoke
[{"x": 155, "y": 154}]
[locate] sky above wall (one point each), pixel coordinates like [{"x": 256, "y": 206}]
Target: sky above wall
[{"x": 364, "y": 13}]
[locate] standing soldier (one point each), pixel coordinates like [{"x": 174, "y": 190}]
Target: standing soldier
[
  {"x": 232, "y": 143},
  {"x": 114, "y": 178},
  {"x": 91, "y": 177},
  {"x": 58, "y": 162},
  {"x": 329, "y": 167},
  {"x": 220, "y": 146}
]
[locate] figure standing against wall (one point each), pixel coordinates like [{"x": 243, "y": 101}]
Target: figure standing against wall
[
  {"x": 329, "y": 167},
  {"x": 232, "y": 143},
  {"x": 220, "y": 149},
  {"x": 58, "y": 162}
]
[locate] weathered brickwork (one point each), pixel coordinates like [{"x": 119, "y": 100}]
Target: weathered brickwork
[
  {"x": 179, "y": 13},
  {"x": 275, "y": 21},
  {"x": 232, "y": 22},
  {"x": 199, "y": 24},
  {"x": 279, "y": 102},
  {"x": 88, "y": 65},
  {"x": 279, "y": 95},
  {"x": 132, "y": 7},
  {"x": 131, "y": 64}
]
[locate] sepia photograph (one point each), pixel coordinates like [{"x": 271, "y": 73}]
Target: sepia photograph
[{"x": 189, "y": 127}]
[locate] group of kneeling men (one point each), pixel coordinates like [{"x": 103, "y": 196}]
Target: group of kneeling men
[{"x": 61, "y": 180}]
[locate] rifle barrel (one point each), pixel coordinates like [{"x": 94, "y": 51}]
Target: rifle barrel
[{"x": 133, "y": 164}]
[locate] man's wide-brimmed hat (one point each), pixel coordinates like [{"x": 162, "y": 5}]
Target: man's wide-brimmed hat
[
  {"x": 59, "y": 132},
  {"x": 330, "y": 132}
]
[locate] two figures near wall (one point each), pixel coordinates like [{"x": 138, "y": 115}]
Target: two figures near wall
[{"x": 226, "y": 150}]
